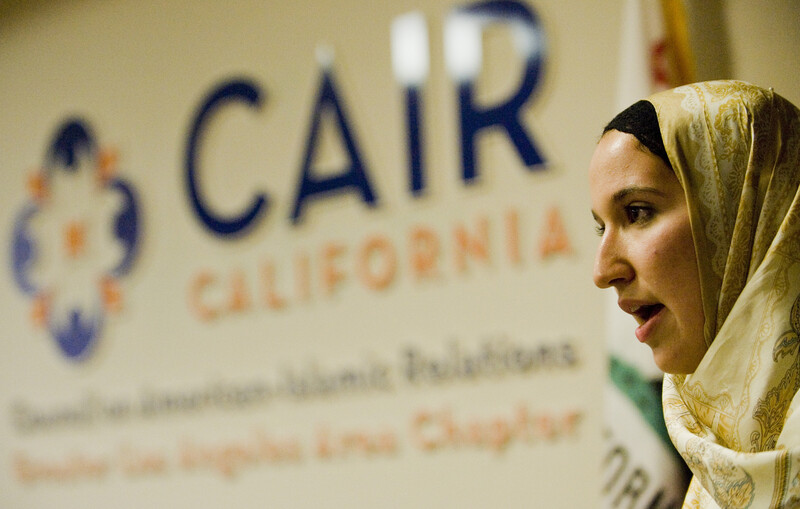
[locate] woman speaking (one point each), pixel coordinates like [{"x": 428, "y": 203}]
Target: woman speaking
[{"x": 696, "y": 194}]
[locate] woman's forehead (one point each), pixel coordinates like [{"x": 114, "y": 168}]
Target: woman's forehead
[
  {"x": 619, "y": 157},
  {"x": 621, "y": 168}
]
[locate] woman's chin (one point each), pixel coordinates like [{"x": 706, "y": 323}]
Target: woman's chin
[{"x": 673, "y": 365}]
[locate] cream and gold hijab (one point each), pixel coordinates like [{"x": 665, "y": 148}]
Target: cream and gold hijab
[{"x": 735, "y": 148}]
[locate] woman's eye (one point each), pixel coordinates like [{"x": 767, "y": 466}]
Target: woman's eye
[
  {"x": 638, "y": 213},
  {"x": 599, "y": 229}
]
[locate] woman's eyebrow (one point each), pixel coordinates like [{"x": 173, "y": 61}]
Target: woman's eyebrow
[{"x": 622, "y": 193}]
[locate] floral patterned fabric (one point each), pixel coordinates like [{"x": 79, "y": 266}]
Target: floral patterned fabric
[{"x": 735, "y": 148}]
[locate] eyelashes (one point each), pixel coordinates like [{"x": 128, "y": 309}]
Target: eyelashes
[{"x": 634, "y": 214}]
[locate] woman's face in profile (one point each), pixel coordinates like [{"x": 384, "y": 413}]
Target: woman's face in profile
[{"x": 646, "y": 250}]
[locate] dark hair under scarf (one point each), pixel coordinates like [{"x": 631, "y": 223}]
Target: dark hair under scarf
[{"x": 640, "y": 120}]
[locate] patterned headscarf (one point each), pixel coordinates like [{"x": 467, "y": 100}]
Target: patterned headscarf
[{"x": 735, "y": 148}]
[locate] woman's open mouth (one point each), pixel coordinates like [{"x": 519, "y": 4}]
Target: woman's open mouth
[{"x": 644, "y": 313}]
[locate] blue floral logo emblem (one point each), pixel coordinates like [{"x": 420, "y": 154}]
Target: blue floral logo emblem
[{"x": 74, "y": 239}]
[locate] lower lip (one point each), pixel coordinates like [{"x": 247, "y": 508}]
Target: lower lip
[{"x": 646, "y": 330}]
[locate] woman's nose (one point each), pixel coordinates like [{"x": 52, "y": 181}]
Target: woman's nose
[{"x": 611, "y": 267}]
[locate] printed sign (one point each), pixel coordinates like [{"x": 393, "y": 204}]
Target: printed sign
[{"x": 301, "y": 261}]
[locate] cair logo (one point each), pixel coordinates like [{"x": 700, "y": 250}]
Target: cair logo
[{"x": 74, "y": 238}]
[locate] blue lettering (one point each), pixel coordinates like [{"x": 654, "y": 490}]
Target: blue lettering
[
  {"x": 353, "y": 178},
  {"x": 465, "y": 26},
  {"x": 416, "y": 161},
  {"x": 410, "y": 62},
  {"x": 248, "y": 93}
]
